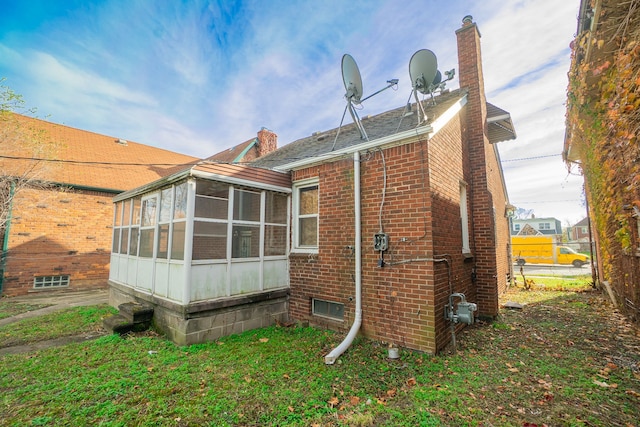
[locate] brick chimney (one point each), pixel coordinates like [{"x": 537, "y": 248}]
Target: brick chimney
[
  {"x": 267, "y": 142},
  {"x": 478, "y": 150}
]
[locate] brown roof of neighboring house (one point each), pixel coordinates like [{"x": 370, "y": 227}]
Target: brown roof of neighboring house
[
  {"x": 80, "y": 158},
  {"x": 234, "y": 154}
]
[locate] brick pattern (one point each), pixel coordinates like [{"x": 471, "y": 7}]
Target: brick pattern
[
  {"x": 402, "y": 301},
  {"x": 59, "y": 233},
  {"x": 487, "y": 198}
]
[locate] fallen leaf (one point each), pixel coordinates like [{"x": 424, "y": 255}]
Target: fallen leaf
[
  {"x": 391, "y": 392},
  {"x": 632, "y": 393},
  {"x": 411, "y": 382},
  {"x": 285, "y": 376},
  {"x": 290, "y": 408},
  {"x": 601, "y": 383},
  {"x": 354, "y": 400},
  {"x": 333, "y": 401},
  {"x": 264, "y": 339}
]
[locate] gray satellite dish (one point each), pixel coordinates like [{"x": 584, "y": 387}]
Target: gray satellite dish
[
  {"x": 437, "y": 79},
  {"x": 353, "y": 85},
  {"x": 351, "y": 78},
  {"x": 423, "y": 68}
]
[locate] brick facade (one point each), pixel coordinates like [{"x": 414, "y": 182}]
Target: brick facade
[
  {"x": 56, "y": 233},
  {"x": 487, "y": 194},
  {"x": 403, "y": 300}
]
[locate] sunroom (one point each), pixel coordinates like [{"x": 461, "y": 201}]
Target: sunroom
[{"x": 207, "y": 247}]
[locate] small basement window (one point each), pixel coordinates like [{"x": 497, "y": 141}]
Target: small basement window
[
  {"x": 46, "y": 282},
  {"x": 329, "y": 309}
]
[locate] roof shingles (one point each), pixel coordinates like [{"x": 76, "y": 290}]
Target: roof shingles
[{"x": 81, "y": 158}]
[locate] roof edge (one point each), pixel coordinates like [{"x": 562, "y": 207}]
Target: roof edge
[{"x": 429, "y": 129}]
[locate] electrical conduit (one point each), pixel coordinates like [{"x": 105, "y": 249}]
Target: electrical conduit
[{"x": 330, "y": 358}]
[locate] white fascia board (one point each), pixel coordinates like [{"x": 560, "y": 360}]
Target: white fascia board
[
  {"x": 153, "y": 185},
  {"x": 236, "y": 181},
  {"x": 451, "y": 112},
  {"x": 389, "y": 140},
  {"x": 498, "y": 118}
]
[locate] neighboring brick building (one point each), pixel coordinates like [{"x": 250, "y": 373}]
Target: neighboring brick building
[
  {"x": 59, "y": 234},
  {"x": 434, "y": 193}
]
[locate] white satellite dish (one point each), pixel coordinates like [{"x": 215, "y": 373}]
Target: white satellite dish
[
  {"x": 353, "y": 85},
  {"x": 423, "y": 68},
  {"x": 351, "y": 78}
]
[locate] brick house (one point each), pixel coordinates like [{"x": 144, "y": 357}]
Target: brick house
[
  {"x": 434, "y": 193},
  {"x": 404, "y": 218},
  {"x": 59, "y": 234}
]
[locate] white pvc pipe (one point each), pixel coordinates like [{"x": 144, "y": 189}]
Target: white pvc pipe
[{"x": 330, "y": 358}]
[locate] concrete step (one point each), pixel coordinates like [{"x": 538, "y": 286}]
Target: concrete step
[{"x": 136, "y": 312}]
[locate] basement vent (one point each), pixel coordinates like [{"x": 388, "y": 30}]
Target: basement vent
[
  {"x": 121, "y": 141},
  {"x": 48, "y": 282},
  {"x": 332, "y": 310}
]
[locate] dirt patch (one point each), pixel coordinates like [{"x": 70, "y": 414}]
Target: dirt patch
[{"x": 42, "y": 345}]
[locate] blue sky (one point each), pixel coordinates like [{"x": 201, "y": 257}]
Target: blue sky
[{"x": 197, "y": 77}]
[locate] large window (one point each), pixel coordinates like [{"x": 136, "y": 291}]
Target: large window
[
  {"x": 148, "y": 226},
  {"x": 275, "y": 229},
  {"x": 210, "y": 224},
  {"x": 228, "y": 223},
  {"x": 135, "y": 226},
  {"x": 246, "y": 224},
  {"x": 179, "y": 221},
  {"x": 164, "y": 223},
  {"x": 306, "y": 216}
]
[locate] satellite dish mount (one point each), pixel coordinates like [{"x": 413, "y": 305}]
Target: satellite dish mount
[
  {"x": 353, "y": 85},
  {"x": 426, "y": 78}
]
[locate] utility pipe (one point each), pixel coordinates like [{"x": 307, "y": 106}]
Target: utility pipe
[{"x": 330, "y": 358}]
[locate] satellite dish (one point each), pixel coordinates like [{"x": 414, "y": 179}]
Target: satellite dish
[
  {"x": 353, "y": 85},
  {"x": 423, "y": 68},
  {"x": 351, "y": 78},
  {"x": 437, "y": 79}
]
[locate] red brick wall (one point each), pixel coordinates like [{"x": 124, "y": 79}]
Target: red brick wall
[
  {"x": 402, "y": 301},
  {"x": 56, "y": 233},
  {"x": 487, "y": 198}
]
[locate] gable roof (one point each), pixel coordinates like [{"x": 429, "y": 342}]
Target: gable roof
[
  {"x": 322, "y": 145},
  {"x": 80, "y": 158},
  {"x": 381, "y": 129}
]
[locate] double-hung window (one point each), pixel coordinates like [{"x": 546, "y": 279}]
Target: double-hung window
[{"x": 306, "y": 216}]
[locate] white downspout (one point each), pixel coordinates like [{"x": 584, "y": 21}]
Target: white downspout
[{"x": 330, "y": 358}]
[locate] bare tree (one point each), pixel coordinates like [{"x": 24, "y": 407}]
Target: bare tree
[{"x": 24, "y": 150}]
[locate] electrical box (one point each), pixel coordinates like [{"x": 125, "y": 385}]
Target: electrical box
[{"x": 380, "y": 242}]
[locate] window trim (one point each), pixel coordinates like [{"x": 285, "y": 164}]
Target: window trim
[{"x": 297, "y": 187}]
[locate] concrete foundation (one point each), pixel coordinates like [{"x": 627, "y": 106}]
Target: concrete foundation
[{"x": 205, "y": 321}]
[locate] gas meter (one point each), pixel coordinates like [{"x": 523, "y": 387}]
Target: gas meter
[{"x": 462, "y": 312}]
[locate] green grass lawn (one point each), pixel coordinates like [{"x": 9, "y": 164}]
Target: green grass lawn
[{"x": 567, "y": 359}]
